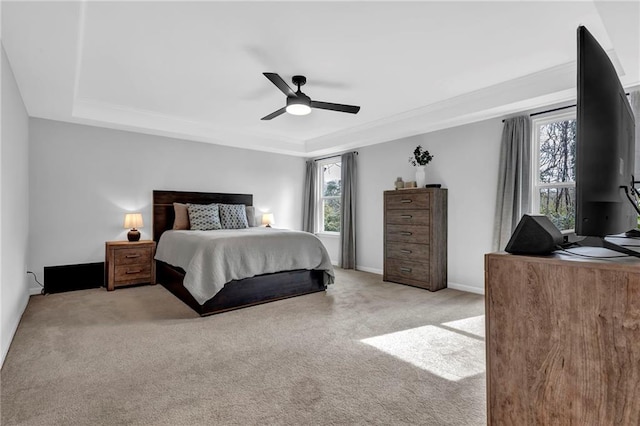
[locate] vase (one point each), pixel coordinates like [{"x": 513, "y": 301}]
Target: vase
[{"x": 420, "y": 176}]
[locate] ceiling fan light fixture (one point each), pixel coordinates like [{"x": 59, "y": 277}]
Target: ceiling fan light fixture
[
  {"x": 298, "y": 109},
  {"x": 298, "y": 105}
]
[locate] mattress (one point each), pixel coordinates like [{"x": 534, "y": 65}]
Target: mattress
[{"x": 212, "y": 258}]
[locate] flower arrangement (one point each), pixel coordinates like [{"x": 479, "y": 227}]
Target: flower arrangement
[{"x": 420, "y": 157}]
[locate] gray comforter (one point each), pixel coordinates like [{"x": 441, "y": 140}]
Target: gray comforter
[{"x": 213, "y": 258}]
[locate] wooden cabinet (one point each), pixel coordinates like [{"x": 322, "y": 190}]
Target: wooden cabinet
[
  {"x": 563, "y": 340},
  {"x": 415, "y": 237},
  {"x": 129, "y": 263}
]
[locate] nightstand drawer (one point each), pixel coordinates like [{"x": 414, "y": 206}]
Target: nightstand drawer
[
  {"x": 132, "y": 256},
  {"x": 127, "y": 273}
]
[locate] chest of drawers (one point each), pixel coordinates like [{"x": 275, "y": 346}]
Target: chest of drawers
[{"x": 415, "y": 237}]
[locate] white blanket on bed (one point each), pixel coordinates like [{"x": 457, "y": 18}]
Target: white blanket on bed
[{"x": 213, "y": 258}]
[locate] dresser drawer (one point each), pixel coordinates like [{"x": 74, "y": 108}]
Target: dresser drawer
[
  {"x": 407, "y": 201},
  {"x": 407, "y": 251},
  {"x": 128, "y": 273},
  {"x": 132, "y": 256},
  {"x": 408, "y": 217},
  {"x": 407, "y": 234},
  {"x": 407, "y": 272}
]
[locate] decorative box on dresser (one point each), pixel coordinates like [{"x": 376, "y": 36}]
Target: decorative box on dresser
[
  {"x": 415, "y": 237},
  {"x": 129, "y": 263}
]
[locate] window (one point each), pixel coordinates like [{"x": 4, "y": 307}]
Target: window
[
  {"x": 329, "y": 195},
  {"x": 554, "y": 168}
]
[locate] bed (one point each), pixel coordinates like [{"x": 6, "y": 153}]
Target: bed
[{"x": 236, "y": 293}]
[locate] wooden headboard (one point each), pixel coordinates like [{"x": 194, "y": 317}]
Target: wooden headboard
[{"x": 163, "y": 214}]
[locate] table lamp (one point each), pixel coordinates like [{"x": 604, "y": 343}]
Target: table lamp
[
  {"x": 133, "y": 221},
  {"x": 267, "y": 219}
]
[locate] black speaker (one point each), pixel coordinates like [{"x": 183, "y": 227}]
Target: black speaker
[{"x": 534, "y": 235}]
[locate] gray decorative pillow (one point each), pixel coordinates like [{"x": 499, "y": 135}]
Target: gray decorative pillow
[
  {"x": 204, "y": 217},
  {"x": 251, "y": 216},
  {"x": 232, "y": 216}
]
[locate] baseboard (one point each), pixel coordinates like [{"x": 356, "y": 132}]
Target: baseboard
[
  {"x": 34, "y": 291},
  {"x": 14, "y": 327},
  {"x": 367, "y": 269},
  {"x": 467, "y": 288}
]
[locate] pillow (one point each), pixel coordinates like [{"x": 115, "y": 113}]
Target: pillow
[
  {"x": 204, "y": 217},
  {"x": 182, "y": 216},
  {"x": 251, "y": 216},
  {"x": 233, "y": 216}
]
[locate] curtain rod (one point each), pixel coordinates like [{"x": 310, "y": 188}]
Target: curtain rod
[
  {"x": 550, "y": 110},
  {"x": 332, "y": 156},
  {"x": 555, "y": 109}
]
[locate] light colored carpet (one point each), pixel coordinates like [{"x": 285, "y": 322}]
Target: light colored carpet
[{"x": 364, "y": 352}]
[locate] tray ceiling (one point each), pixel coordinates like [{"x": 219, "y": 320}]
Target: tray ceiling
[{"x": 193, "y": 70}]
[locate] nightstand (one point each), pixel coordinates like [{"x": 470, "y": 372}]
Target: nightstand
[{"x": 129, "y": 263}]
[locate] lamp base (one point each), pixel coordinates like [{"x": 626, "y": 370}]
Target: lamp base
[
  {"x": 133, "y": 235},
  {"x": 268, "y": 226}
]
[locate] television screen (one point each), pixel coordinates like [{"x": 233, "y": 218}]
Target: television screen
[{"x": 605, "y": 146}]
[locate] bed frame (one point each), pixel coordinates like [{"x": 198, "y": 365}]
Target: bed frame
[{"x": 237, "y": 293}]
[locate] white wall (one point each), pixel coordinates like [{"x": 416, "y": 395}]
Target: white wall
[
  {"x": 14, "y": 207},
  {"x": 332, "y": 244},
  {"x": 84, "y": 179},
  {"x": 466, "y": 162}
]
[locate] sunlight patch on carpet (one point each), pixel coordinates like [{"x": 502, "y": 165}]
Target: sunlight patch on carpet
[
  {"x": 440, "y": 351},
  {"x": 472, "y": 325}
]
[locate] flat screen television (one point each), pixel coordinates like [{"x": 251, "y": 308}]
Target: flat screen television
[{"x": 605, "y": 148}]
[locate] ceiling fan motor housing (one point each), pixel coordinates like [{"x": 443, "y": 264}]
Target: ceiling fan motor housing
[{"x": 299, "y": 80}]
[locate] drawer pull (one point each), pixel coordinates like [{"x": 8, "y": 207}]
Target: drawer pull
[
  {"x": 406, "y": 251},
  {"x": 406, "y": 216},
  {"x": 131, "y": 256},
  {"x": 407, "y": 270},
  {"x": 406, "y": 201},
  {"x": 134, "y": 272},
  {"x": 406, "y": 234}
]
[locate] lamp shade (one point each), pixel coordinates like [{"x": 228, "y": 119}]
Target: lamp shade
[
  {"x": 267, "y": 219},
  {"x": 133, "y": 220}
]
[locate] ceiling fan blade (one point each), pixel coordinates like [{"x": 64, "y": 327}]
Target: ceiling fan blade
[
  {"x": 274, "y": 114},
  {"x": 352, "y": 109},
  {"x": 280, "y": 84}
]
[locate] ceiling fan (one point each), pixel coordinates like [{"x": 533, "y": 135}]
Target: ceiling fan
[{"x": 297, "y": 102}]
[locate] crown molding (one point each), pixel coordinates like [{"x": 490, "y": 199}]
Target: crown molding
[{"x": 126, "y": 118}]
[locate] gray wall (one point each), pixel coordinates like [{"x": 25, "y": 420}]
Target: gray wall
[
  {"x": 466, "y": 162},
  {"x": 84, "y": 179},
  {"x": 14, "y": 208}
]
